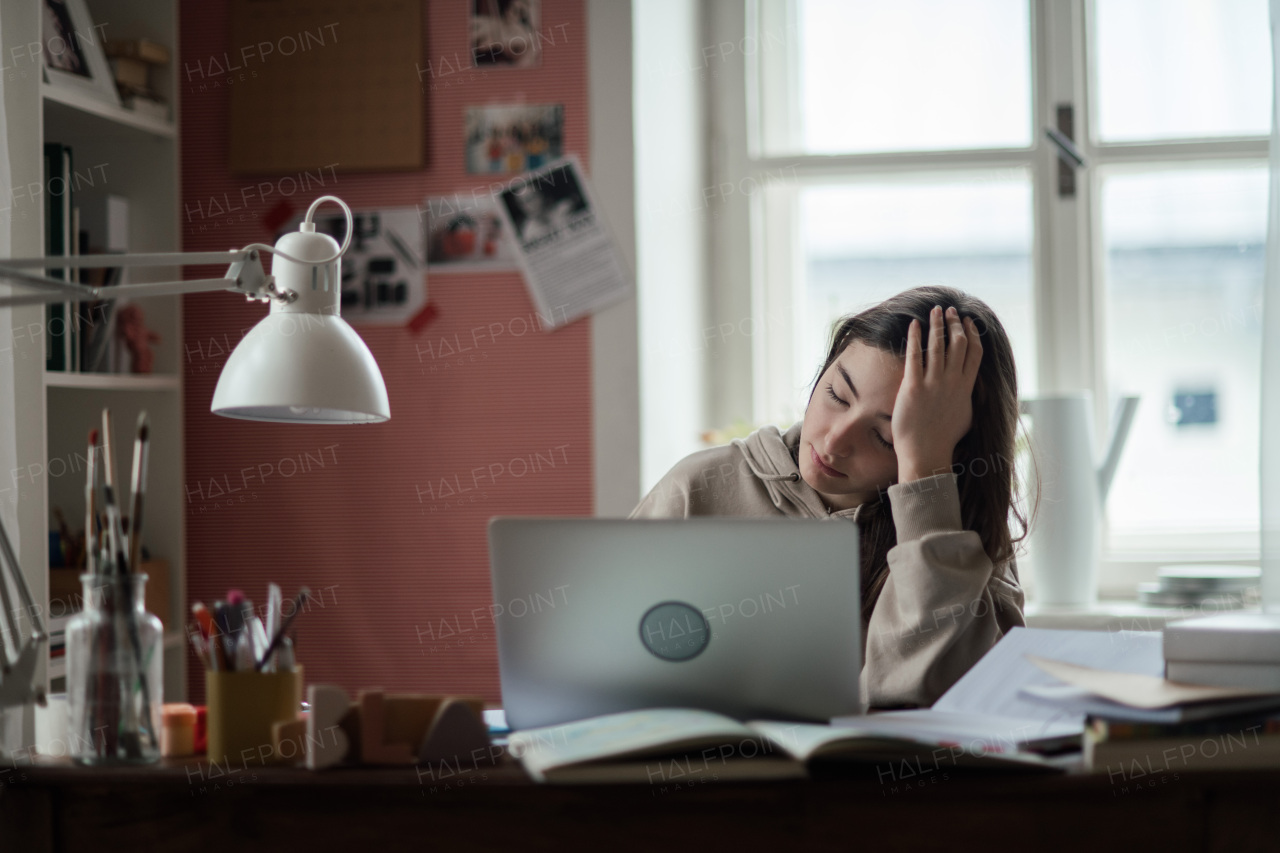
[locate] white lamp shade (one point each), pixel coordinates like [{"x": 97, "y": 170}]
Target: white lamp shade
[{"x": 302, "y": 368}]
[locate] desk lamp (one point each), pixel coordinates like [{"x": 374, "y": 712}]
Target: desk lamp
[{"x": 302, "y": 363}]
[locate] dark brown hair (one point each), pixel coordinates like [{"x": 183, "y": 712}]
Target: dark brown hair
[{"x": 984, "y": 458}]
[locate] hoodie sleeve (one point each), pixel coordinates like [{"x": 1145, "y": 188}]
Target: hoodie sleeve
[
  {"x": 943, "y": 605},
  {"x": 714, "y": 481}
]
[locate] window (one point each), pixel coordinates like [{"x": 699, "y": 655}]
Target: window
[{"x": 898, "y": 144}]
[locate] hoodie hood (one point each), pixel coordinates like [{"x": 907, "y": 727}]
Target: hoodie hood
[{"x": 771, "y": 456}]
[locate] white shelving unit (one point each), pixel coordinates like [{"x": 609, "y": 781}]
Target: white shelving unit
[{"x": 135, "y": 156}]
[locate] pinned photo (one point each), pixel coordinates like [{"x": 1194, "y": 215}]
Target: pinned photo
[
  {"x": 504, "y": 33},
  {"x": 509, "y": 140},
  {"x": 384, "y": 270},
  {"x": 465, "y": 234}
]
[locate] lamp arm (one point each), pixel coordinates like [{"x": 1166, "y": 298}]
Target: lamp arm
[
  {"x": 245, "y": 275},
  {"x": 18, "y": 673}
]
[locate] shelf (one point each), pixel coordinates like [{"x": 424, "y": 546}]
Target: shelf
[
  {"x": 89, "y": 105},
  {"x": 112, "y": 381}
]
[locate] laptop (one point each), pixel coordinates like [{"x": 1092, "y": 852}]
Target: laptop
[{"x": 753, "y": 618}]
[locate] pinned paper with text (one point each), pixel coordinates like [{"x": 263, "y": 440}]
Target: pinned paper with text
[{"x": 568, "y": 255}]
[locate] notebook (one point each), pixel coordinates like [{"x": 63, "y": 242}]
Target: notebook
[{"x": 751, "y": 618}]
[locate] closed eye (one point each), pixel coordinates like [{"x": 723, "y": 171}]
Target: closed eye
[
  {"x": 886, "y": 445},
  {"x": 832, "y": 394}
]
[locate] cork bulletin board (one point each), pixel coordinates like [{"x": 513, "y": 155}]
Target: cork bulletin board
[{"x": 326, "y": 83}]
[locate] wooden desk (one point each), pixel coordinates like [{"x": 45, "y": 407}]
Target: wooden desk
[{"x": 46, "y": 808}]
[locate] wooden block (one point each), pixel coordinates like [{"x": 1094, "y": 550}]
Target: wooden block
[
  {"x": 327, "y": 740},
  {"x": 457, "y": 733},
  {"x": 393, "y": 726},
  {"x": 288, "y": 739}
]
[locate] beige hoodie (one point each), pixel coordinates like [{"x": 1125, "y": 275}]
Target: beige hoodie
[{"x": 943, "y": 605}]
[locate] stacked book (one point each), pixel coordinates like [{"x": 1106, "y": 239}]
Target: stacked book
[
  {"x": 1225, "y": 650},
  {"x": 1142, "y": 727},
  {"x": 1127, "y": 749},
  {"x": 132, "y": 61}
]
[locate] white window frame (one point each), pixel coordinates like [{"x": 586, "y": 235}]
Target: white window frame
[{"x": 749, "y": 369}]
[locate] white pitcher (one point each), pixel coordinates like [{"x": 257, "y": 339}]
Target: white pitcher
[{"x": 1065, "y": 547}]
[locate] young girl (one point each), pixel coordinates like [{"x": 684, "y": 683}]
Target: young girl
[{"x": 909, "y": 433}]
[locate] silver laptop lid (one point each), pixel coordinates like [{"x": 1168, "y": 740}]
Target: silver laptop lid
[{"x": 754, "y": 618}]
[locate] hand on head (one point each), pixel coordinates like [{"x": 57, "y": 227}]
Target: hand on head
[{"x": 934, "y": 407}]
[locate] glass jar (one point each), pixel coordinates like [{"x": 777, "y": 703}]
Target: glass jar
[{"x": 115, "y": 672}]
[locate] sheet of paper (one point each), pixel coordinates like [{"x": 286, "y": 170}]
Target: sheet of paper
[
  {"x": 990, "y": 687},
  {"x": 570, "y": 260},
  {"x": 1140, "y": 691},
  {"x": 977, "y": 733},
  {"x": 1077, "y": 700}
]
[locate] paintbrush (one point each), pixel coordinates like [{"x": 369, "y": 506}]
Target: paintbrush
[
  {"x": 141, "y": 449},
  {"x": 117, "y": 560},
  {"x": 90, "y": 505}
]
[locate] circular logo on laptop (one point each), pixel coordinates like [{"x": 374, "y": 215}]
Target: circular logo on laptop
[{"x": 674, "y": 631}]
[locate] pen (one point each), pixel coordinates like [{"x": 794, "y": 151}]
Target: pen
[
  {"x": 198, "y": 644},
  {"x": 257, "y": 636},
  {"x": 275, "y": 599},
  {"x": 244, "y": 653},
  {"x": 204, "y": 619},
  {"x": 303, "y": 595},
  {"x": 285, "y": 656},
  {"x": 225, "y": 639}
]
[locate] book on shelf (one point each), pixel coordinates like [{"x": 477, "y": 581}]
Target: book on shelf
[
  {"x": 58, "y": 176},
  {"x": 57, "y": 628},
  {"x": 105, "y": 221},
  {"x": 687, "y": 745}
]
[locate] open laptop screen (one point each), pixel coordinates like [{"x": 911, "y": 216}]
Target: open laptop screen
[{"x": 754, "y": 618}]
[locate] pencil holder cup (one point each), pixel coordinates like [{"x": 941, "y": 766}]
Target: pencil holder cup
[
  {"x": 242, "y": 708},
  {"x": 115, "y": 673}
]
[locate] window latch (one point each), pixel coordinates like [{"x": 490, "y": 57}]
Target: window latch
[{"x": 1069, "y": 156}]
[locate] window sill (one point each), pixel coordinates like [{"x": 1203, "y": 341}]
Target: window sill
[{"x": 1115, "y": 615}]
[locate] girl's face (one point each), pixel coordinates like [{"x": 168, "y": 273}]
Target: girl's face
[{"x": 846, "y": 443}]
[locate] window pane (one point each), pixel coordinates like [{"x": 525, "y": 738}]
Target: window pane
[
  {"x": 1170, "y": 69},
  {"x": 911, "y": 75},
  {"x": 1183, "y": 282},
  {"x": 863, "y": 242}
]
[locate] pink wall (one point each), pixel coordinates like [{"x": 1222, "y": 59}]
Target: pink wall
[{"x": 362, "y": 514}]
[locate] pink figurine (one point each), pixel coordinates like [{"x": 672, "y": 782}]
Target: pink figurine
[{"x": 132, "y": 329}]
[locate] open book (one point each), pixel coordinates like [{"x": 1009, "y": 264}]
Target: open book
[
  {"x": 984, "y": 719},
  {"x": 661, "y": 746}
]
